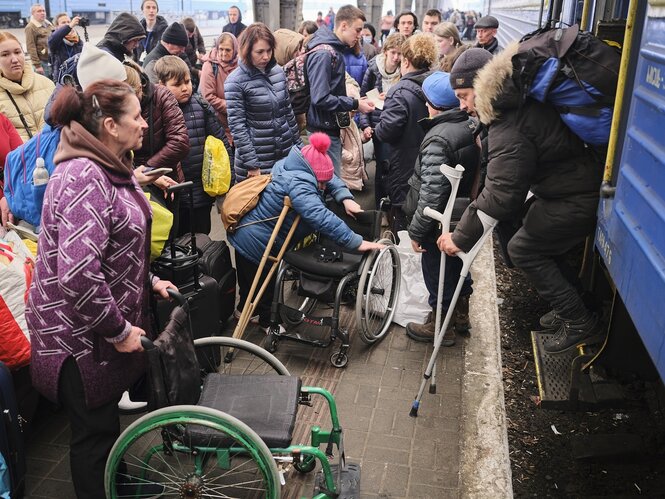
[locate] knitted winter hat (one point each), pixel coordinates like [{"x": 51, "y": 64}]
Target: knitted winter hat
[
  {"x": 316, "y": 155},
  {"x": 95, "y": 64},
  {"x": 438, "y": 91},
  {"x": 176, "y": 35},
  {"x": 467, "y": 66}
]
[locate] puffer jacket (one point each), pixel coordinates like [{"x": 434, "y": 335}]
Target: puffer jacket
[
  {"x": 372, "y": 79},
  {"x": 123, "y": 28},
  {"x": 169, "y": 144},
  {"x": 355, "y": 65},
  {"x": 399, "y": 128},
  {"x": 31, "y": 96},
  {"x": 530, "y": 148},
  {"x": 60, "y": 50},
  {"x": 450, "y": 141},
  {"x": 293, "y": 177},
  {"x": 201, "y": 121},
  {"x": 260, "y": 117},
  {"x": 327, "y": 87},
  {"x": 152, "y": 38}
]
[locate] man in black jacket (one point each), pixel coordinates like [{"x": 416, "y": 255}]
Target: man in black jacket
[
  {"x": 532, "y": 153},
  {"x": 325, "y": 71},
  {"x": 486, "y": 29},
  {"x": 174, "y": 42},
  {"x": 235, "y": 25}
]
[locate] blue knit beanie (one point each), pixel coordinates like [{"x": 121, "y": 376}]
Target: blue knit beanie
[{"x": 438, "y": 91}]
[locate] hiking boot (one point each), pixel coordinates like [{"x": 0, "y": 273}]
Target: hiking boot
[
  {"x": 575, "y": 333},
  {"x": 422, "y": 332},
  {"x": 448, "y": 337},
  {"x": 461, "y": 316},
  {"x": 551, "y": 320}
]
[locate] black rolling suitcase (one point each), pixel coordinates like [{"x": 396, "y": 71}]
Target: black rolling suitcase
[
  {"x": 11, "y": 439},
  {"x": 180, "y": 265}
]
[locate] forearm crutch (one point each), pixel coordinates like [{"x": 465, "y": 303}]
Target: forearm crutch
[
  {"x": 467, "y": 259},
  {"x": 252, "y": 301},
  {"x": 454, "y": 176}
]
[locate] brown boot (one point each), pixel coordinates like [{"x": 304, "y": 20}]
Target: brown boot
[
  {"x": 461, "y": 316},
  {"x": 422, "y": 332}
]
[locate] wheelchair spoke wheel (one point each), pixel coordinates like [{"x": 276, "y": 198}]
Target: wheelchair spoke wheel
[
  {"x": 190, "y": 452},
  {"x": 239, "y": 357},
  {"x": 378, "y": 289},
  {"x": 291, "y": 299}
]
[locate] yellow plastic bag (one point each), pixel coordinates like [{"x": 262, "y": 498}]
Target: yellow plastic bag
[
  {"x": 216, "y": 170},
  {"x": 162, "y": 221}
]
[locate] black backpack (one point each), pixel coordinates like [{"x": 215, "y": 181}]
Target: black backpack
[{"x": 574, "y": 71}]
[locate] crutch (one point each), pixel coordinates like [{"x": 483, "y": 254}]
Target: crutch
[
  {"x": 454, "y": 175},
  {"x": 467, "y": 259},
  {"x": 252, "y": 301}
]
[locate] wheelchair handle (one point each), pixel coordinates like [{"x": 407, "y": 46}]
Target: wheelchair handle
[
  {"x": 179, "y": 187},
  {"x": 147, "y": 344},
  {"x": 179, "y": 298}
]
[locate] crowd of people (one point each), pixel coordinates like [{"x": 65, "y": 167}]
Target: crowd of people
[{"x": 149, "y": 94}]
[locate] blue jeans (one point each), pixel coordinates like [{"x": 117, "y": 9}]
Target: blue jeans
[
  {"x": 335, "y": 152},
  {"x": 431, "y": 263}
]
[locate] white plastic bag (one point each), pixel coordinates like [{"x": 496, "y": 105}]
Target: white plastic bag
[{"x": 412, "y": 303}]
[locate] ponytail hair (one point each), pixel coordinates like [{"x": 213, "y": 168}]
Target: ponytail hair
[{"x": 104, "y": 98}]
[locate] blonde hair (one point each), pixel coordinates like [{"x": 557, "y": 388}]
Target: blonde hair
[
  {"x": 133, "y": 78},
  {"x": 394, "y": 41},
  {"x": 420, "y": 51},
  {"x": 447, "y": 29}
]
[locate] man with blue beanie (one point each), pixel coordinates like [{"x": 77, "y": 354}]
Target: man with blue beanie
[{"x": 449, "y": 140}]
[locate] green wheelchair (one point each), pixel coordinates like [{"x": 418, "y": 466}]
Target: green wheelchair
[{"x": 235, "y": 437}]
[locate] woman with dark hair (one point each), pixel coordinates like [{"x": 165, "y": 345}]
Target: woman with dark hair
[
  {"x": 370, "y": 47},
  {"x": 260, "y": 115},
  {"x": 88, "y": 303},
  {"x": 218, "y": 65}
]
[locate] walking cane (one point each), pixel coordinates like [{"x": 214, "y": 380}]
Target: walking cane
[
  {"x": 454, "y": 176},
  {"x": 467, "y": 259}
]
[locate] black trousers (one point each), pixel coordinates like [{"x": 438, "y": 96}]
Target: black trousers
[
  {"x": 246, "y": 271},
  {"x": 551, "y": 228},
  {"x": 94, "y": 431}
]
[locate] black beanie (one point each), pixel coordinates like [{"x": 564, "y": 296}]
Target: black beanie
[
  {"x": 176, "y": 35},
  {"x": 467, "y": 66}
]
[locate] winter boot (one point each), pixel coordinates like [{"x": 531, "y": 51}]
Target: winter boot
[
  {"x": 575, "y": 333},
  {"x": 551, "y": 320},
  {"x": 461, "y": 316},
  {"x": 422, "y": 332}
]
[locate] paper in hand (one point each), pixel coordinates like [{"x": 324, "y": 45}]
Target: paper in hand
[{"x": 373, "y": 96}]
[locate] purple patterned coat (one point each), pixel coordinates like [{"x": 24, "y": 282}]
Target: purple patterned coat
[{"x": 91, "y": 279}]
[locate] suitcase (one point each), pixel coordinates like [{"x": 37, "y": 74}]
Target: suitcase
[{"x": 11, "y": 438}]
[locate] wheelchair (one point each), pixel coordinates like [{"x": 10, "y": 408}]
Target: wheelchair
[
  {"x": 233, "y": 436},
  {"x": 323, "y": 275}
]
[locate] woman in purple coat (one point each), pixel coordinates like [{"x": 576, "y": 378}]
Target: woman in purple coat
[{"x": 89, "y": 297}]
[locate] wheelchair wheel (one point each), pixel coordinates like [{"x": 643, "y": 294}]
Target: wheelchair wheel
[
  {"x": 378, "y": 290},
  {"x": 291, "y": 299},
  {"x": 241, "y": 357},
  {"x": 190, "y": 452}
]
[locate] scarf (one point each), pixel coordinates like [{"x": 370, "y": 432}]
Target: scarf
[
  {"x": 227, "y": 67},
  {"x": 387, "y": 79}
]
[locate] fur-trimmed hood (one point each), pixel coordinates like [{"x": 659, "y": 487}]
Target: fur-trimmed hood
[{"x": 494, "y": 86}]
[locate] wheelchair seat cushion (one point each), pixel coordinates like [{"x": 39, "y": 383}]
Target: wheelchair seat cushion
[
  {"x": 267, "y": 404},
  {"x": 309, "y": 260}
]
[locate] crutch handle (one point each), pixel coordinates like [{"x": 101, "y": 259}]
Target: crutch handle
[
  {"x": 432, "y": 213},
  {"x": 488, "y": 225}
]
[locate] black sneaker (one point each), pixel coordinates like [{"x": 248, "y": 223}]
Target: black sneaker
[
  {"x": 551, "y": 320},
  {"x": 573, "y": 334},
  {"x": 139, "y": 489}
]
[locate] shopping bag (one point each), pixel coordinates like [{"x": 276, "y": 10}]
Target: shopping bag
[
  {"x": 412, "y": 304},
  {"x": 216, "y": 169},
  {"x": 162, "y": 221}
]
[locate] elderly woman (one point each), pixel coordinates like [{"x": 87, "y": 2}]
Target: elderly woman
[
  {"x": 88, "y": 303},
  {"x": 399, "y": 126},
  {"x": 220, "y": 63},
  {"x": 260, "y": 115},
  {"x": 448, "y": 42},
  {"x": 23, "y": 93}
]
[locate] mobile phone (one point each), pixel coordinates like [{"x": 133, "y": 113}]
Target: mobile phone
[{"x": 152, "y": 172}]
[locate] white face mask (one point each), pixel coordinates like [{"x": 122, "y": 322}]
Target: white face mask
[{"x": 367, "y": 39}]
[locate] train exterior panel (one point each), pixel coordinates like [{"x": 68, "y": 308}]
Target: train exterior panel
[{"x": 631, "y": 226}]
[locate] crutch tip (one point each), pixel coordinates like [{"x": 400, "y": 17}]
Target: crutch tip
[
  {"x": 414, "y": 410},
  {"x": 432, "y": 388}
]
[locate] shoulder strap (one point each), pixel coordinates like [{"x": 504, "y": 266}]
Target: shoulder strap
[
  {"x": 215, "y": 68},
  {"x": 150, "y": 126},
  {"x": 20, "y": 114}
]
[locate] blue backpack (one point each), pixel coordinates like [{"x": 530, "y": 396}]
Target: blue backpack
[
  {"x": 25, "y": 199},
  {"x": 574, "y": 71}
]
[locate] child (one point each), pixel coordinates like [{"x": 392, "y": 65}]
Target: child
[
  {"x": 353, "y": 161},
  {"x": 201, "y": 121}
]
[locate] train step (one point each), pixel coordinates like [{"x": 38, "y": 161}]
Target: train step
[{"x": 568, "y": 381}]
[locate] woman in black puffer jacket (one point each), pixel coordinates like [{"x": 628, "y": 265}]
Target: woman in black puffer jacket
[{"x": 260, "y": 116}]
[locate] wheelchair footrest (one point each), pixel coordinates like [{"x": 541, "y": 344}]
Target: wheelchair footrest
[{"x": 350, "y": 488}]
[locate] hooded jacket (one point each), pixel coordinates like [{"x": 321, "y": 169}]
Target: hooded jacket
[
  {"x": 327, "y": 87},
  {"x": 530, "y": 148},
  {"x": 60, "y": 50},
  {"x": 152, "y": 38},
  {"x": 91, "y": 279},
  {"x": 235, "y": 28},
  {"x": 374, "y": 78},
  {"x": 30, "y": 96},
  {"x": 293, "y": 177},
  {"x": 260, "y": 117},
  {"x": 123, "y": 28},
  {"x": 288, "y": 45},
  {"x": 399, "y": 128},
  {"x": 449, "y": 140}
]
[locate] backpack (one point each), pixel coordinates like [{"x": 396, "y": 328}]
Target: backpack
[
  {"x": 25, "y": 200},
  {"x": 241, "y": 199},
  {"x": 67, "y": 73},
  {"x": 574, "y": 71},
  {"x": 296, "y": 78}
]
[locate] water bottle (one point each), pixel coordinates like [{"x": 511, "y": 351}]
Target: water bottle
[{"x": 40, "y": 175}]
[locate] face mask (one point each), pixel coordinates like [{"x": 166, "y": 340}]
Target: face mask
[{"x": 367, "y": 39}]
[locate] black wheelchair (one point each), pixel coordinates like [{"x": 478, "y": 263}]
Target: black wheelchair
[{"x": 222, "y": 432}]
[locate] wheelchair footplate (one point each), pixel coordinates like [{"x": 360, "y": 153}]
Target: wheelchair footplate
[{"x": 348, "y": 482}]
